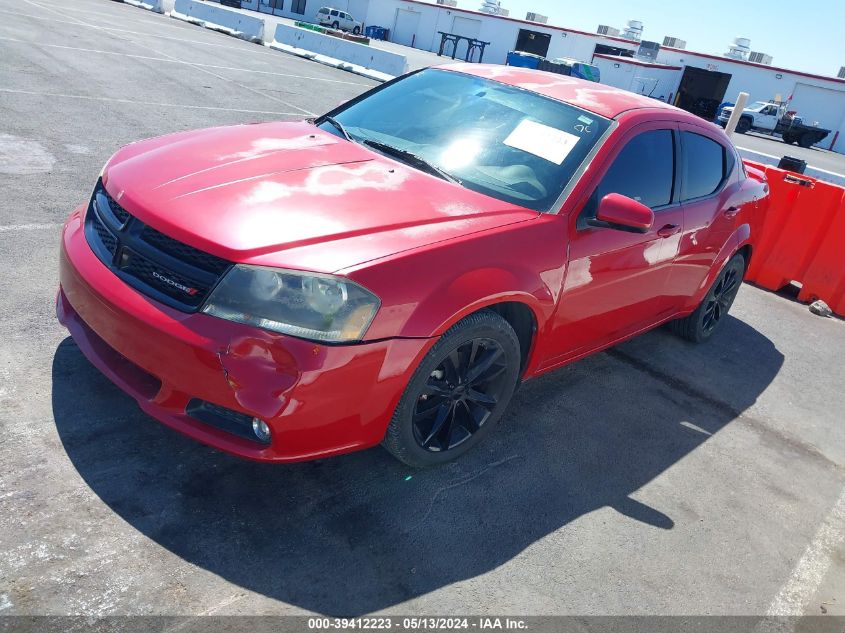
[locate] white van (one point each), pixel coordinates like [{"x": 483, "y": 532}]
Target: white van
[{"x": 338, "y": 20}]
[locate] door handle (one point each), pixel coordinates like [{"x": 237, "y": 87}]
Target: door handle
[
  {"x": 669, "y": 230},
  {"x": 730, "y": 212}
]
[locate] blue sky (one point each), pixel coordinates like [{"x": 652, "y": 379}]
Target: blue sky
[{"x": 799, "y": 34}]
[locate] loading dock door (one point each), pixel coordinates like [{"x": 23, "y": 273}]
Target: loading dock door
[
  {"x": 817, "y": 104},
  {"x": 602, "y": 49},
  {"x": 533, "y": 42},
  {"x": 405, "y": 29},
  {"x": 701, "y": 91},
  {"x": 466, "y": 27}
]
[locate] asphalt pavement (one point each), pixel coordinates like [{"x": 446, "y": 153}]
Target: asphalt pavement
[
  {"x": 656, "y": 478},
  {"x": 822, "y": 162}
]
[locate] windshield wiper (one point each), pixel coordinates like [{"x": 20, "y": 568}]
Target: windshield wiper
[
  {"x": 336, "y": 124},
  {"x": 412, "y": 159}
]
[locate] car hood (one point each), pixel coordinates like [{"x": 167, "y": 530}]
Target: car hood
[{"x": 291, "y": 195}]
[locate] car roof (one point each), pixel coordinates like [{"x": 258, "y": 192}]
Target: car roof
[{"x": 598, "y": 98}]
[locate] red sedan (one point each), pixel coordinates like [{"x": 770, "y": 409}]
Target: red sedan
[{"x": 389, "y": 272}]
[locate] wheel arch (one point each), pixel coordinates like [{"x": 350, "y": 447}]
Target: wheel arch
[
  {"x": 523, "y": 321},
  {"x": 740, "y": 243},
  {"x": 518, "y": 309},
  {"x": 746, "y": 250}
]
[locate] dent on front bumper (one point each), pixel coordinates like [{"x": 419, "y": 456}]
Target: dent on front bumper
[{"x": 318, "y": 400}]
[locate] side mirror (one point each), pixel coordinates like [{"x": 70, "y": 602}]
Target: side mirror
[{"x": 624, "y": 214}]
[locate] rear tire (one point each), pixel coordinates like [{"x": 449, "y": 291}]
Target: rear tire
[
  {"x": 711, "y": 312},
  {"x": 742, "y": 126},
  {"x": 457, "y": 394},
  {"x": 336, "y": 25}
]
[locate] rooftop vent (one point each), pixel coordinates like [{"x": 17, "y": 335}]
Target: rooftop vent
[
  {"x": 448, "y": 3},
  {"x": 633, "y": 30},
  {"x": 841, "y": 74},
  {"x": 739, "y": 49},
  {"x": 760, "y": 58},
  {"x": 674, "y": 42},
  {"x": 493, "y": 7},
  {"x": 607, "y": 30},
  {"x": 536, "y": 17},
  {"x": 648, "y": 51}
]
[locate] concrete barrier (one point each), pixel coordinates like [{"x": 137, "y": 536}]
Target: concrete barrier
[
  {"x": 220, "y": 19},
  {"x": 159, "y": 6},
  {"x": 364, "y": 60}
]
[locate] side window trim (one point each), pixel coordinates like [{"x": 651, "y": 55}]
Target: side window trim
[
  {"x": 726, "y": 168},
  {"x": 643, "y": 128},
  {"x": 677, "y": 181}
]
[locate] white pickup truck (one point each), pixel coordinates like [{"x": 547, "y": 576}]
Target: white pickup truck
[{"x": 772, "y": 117}]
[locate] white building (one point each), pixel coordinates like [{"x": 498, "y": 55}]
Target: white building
[{"x": 689, "y": 79}]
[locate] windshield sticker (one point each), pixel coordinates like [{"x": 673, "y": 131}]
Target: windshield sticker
[{"x": 548, "y": 143}]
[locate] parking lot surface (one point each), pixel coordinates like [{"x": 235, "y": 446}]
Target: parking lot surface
[
  {"x": 657, "y": 478},
  {"x": 818, "y": 156}
]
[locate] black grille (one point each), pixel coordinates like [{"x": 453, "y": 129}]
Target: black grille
[
  {"x": 183, "y": 252},
  {"x": 106, "y": 237},
  {"x": 164, "y": 268},
  {"x": 118, "y": 211}
]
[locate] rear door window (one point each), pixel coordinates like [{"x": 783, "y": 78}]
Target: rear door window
[
  {"x": 706, "y": 164},
  {"x": 644, "y": 170}
]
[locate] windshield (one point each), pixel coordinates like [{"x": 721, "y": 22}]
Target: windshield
[{"x": 505, "y": 142}]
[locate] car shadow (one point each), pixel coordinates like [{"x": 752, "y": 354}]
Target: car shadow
[{"x": 359, "y": 533}]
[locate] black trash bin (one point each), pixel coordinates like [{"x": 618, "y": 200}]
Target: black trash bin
[{"x": 790, "y": 163}]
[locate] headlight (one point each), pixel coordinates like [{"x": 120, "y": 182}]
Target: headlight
[{"x": 306, "y": 305}]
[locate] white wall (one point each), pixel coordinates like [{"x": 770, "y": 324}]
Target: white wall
[
  {"x": 362, "y": 55},
  {"x": 502, "y": 34},
  {"x": 657, "y": 82}
]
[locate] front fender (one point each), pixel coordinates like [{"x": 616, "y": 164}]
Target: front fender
[
  {"x": 476, "y": 290},
  {"x": 426, "y": 291}
]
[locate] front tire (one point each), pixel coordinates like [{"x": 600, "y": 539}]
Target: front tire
[
  {"x": 458, "y": 393},
  {"x": 742, "y": 126},
  {"x": 356, "y": 30},
  {"x": 711, "y": 312}
]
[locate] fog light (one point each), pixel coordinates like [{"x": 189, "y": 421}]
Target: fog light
[{"x": 261, "y": 430}]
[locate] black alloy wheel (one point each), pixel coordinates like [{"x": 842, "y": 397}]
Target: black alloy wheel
[
  {"x": 460, "y": 395},
  {"x": 711, "y": 312},
  {"x": 458, "y": 392},
  {"x": 721, "y": 298}
]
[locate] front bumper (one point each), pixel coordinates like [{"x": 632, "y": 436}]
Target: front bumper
[{"x": 318, "y": 400}]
